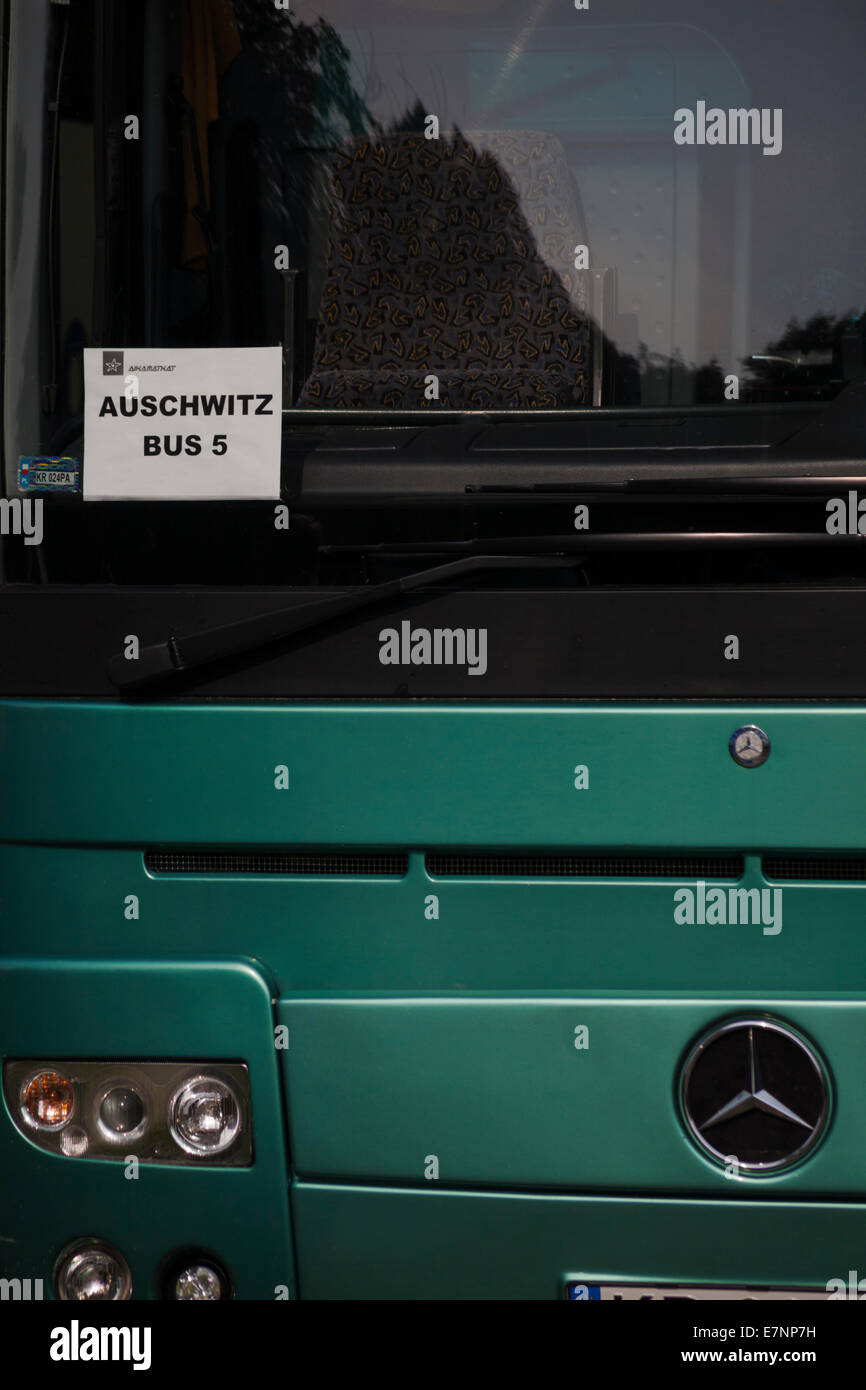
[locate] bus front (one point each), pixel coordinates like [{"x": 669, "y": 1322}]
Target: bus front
[{"x": 432, "y": 641}]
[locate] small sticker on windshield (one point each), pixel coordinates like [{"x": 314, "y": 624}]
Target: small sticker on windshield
[{"x": 49, "y": 474}]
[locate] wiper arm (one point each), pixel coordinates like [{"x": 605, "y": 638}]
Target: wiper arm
[{"x": 178, "y": 655}]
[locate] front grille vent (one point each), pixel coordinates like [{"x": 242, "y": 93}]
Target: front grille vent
[
  {"x": 275, "y": 862},
  {"x": 787, "y": 868},
  {"x": 791, "y": 866},
  {"x": 584, "y": 866}
]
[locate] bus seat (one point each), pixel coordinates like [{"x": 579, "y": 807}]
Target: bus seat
[{"x": 450, "y": 259}]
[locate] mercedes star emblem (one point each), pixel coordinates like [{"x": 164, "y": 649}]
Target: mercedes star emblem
[
  {"x": 749, "y": 746},
  {"x": 755, "y": 1091}
]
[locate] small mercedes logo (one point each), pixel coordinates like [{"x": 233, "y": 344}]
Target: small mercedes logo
[
  {"x": 749, "y": 746},
  {"x": 754, "y": 1090}
]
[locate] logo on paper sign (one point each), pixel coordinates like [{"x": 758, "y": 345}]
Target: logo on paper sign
[{"x": 112, "y": 364}]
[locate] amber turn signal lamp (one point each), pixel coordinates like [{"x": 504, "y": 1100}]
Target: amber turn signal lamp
[{"x": 48, "y": 1099}]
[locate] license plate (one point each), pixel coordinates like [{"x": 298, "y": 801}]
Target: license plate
[
  {"x": 49, "y": 474},
  {"x": 616, "y": 1293}
]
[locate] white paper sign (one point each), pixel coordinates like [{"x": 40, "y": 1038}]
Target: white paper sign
[{"x": 182, "y": 424}]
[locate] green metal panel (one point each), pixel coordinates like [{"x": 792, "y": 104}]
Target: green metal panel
[
  {"x": 495, "y": 1089},
  {"x": 660, "y": 774},
  {"x": 351, "y": 934},
  {"x": 394, "y": 1243},
  {"x": 201, "y": 1010}
]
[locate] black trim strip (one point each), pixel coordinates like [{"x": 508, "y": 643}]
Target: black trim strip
[
  {"x": 799, "y": 867},
  {"x": 335, "y": 864},
  {"x": 519, "y": 864}
]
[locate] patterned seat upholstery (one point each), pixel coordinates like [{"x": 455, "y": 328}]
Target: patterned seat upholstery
[{"x": 450, "y": 257}]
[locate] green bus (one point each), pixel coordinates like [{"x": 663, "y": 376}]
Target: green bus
[{"x": 432, "y": 650}]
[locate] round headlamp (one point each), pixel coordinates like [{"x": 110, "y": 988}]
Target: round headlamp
[
  {"x": 204, "y": 1116},
  {"x": 92, "y": 1270},
  {"x": 200, "y": 1282},
  {"x": 121, "y": 1113}
]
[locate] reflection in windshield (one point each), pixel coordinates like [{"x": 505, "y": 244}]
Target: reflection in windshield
[{"x": 436, "y": 290}]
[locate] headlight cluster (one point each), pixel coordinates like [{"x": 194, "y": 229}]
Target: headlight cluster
[{"x": 160, "y": 1112}]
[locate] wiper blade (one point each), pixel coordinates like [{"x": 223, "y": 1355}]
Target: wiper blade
[
  {"x": 177, "y": 655},
  {"x": 685, "y": 484},
  {"x": 580, "y": 546}
]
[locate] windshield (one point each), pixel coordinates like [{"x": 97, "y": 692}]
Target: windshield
[{"x": 593, "y": 227}]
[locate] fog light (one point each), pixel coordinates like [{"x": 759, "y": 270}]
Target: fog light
[
  {"x": 198, "y": 1281},
  {"x": 92, "y": 1270},
  {"x": 204, "y": 1115},
  {"x": 47, "y": 1100}
]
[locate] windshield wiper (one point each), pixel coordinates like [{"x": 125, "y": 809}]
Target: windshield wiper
[
  {"x": 177, "y": 655},
  {"x": 579, "y": 547}
]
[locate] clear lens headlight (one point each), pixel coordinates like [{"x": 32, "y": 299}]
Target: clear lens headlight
[
  {"x": 204, "y": 1116},
  {"x": 93, "y": 1270}
]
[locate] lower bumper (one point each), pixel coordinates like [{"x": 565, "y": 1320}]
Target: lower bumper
[{"x": 392, "y": 1243}]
